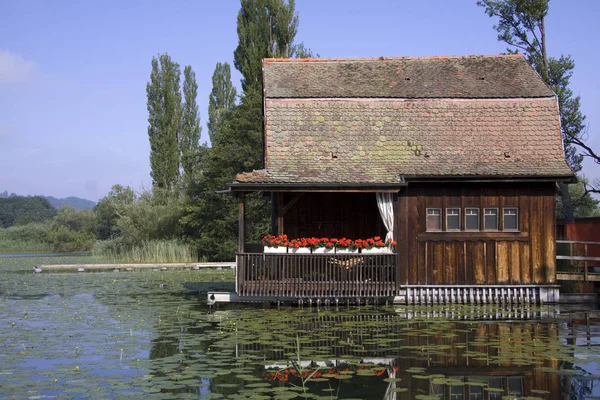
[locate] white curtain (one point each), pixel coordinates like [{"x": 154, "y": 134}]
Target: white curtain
[{"x": 386, "y": 210}]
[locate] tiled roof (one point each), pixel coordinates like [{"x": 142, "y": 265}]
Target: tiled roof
[
  {"x": 375, "y": 141},
  {"x": 502, "y": 76}
]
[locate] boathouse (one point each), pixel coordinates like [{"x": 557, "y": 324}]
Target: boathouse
[{"x": 455, "y": 159}]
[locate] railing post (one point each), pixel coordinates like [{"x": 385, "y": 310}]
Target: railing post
[{"x": 585, "y": 263}]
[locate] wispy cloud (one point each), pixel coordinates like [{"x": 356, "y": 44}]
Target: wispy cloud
[{"x": 14, "y": 68}]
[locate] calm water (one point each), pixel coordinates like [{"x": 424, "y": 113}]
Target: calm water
[{"x": 149, "y": 335}]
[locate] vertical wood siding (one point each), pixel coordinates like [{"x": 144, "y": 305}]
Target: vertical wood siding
[{"x": 524, "y": 257}]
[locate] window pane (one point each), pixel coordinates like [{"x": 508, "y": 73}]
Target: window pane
[
  {"x": 511, "y": 222},
  {"x": 453, "y": 219},
  {"x": 472, "y": 219},
  {"x": 490, "y": 222},
  {"x": 434, "y": 219}
]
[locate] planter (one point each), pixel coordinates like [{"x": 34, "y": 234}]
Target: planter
[
  {"x": 300, "y": 250},
  {"x": 280, "y": 249},
  {"x": 346, "y": 251},
  {"x": 377, "y": 250},
  {"x": 323, "y": 250}
]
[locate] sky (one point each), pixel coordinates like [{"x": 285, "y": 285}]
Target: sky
[{"x": 73, "y": 117}]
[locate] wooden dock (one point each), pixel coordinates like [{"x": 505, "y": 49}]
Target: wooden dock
[
  {"x": 134, "y": 267},
  {"x": 583, "y": 267}
]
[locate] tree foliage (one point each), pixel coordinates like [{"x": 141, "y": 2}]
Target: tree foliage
[
  {"x": 266, "y": 28},
  {"x": 18, "y": 210},
  {"x": 221, "y": 98},
  {"x": 584, "y": 205},
  {"x": 189, "y": 144},
  {"x": 521, "y": 26},
  {"x": 164, "y": 121}
]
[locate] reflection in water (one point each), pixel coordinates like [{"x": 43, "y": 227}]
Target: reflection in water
[
  {"x": 105, "y": 335},
  {"x": 378, "y": 354}
]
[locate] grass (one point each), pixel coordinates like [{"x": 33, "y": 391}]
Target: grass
[{"x": 155, "y": 251}]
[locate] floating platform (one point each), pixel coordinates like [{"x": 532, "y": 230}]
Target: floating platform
[
  {"x": 417, "y": 295},
  {"x": 134, "y": 267}
]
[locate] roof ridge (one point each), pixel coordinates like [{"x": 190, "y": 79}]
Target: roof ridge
[{"x": 399, "y": 58}]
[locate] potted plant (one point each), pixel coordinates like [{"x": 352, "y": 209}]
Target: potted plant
[
  {"x": 322, "y": 246},
  {"x": 376, "y": 245},
  {"x": 345, "y": 245},
  {"x": 275, "y": 244},
  {"x": 299, "y": 246}
]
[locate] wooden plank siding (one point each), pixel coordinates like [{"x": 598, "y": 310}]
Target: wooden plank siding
[{"x": 480, "y": 257}]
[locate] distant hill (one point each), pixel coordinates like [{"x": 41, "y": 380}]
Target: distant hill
[{"x": 75, "y": 202}]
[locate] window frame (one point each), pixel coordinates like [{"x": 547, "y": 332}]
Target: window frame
[
  {"x": 459, "y": 221},
  {"x": 441, "y": 229},
  {"x": 478, "y": 229},
  {"x": 497, "y": 229},
  {"x": 503, "y": 219}
]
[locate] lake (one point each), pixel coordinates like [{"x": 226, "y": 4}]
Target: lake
[{"x": 151, "y": 335}]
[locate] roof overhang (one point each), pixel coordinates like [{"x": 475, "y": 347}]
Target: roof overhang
[
  {"x": 490, "y": 179},
  {"x": 316, "y": 187}
]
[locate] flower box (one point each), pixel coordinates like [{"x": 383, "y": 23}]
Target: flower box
[
  {"x": 323, "y": 250},
  {"x": 300, "y": 250},
  {"x": 346, "y": 251},
  {"x": 377, "y": 250},
  {"x": 272, "y": 249}
]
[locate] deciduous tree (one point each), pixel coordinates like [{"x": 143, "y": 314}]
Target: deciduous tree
[
  {"x": 189, "y": 143},
  {"x": 521, "y": 26},
  {"x": 164, "y": 121},
  {"x": 221, "y": 98}
]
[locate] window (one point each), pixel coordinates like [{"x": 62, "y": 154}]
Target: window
[
  {"x": 453, "y": 219},
  {"x": 434, "y": 219},
  {"x": 472, "y": 219},
  {"x": 511, "y": 219},
  {"x": 490, "y": 219}
]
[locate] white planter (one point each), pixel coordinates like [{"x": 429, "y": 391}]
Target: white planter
[
  {"x": 280, "y": 249},
  {"x": 323, "y": 250},
  {"x": 300, "y": 250},
  {"x": 346, "y": 251},
  {"x": 377, "y": 250}
]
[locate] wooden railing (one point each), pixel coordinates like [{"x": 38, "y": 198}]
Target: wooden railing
[
  {"x": 581, "y": 266},
  {"x": 316, "y": 275}
]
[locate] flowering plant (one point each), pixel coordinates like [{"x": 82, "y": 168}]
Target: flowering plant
[{"x": 275, "y": 241}]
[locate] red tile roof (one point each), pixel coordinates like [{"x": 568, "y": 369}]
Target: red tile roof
[
  {"x": 502, "y": 76},
  {"x": 368, "y": 141},
  {"x": 360, "y": 121}
]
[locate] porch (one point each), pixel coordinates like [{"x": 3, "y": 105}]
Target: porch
[{"x": 316, "y": 276}]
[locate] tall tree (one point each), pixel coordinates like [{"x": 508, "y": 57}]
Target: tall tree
[
  {"x": 266, "y": 28},
  {"x": 164, "y": 120},
  {"x": 189, "y": 143},
  {"x": 221, "y": 98},
  {"x": 521, "y": 26}
]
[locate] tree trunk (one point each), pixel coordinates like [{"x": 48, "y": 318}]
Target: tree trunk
[{"x": 567, "y": 205}]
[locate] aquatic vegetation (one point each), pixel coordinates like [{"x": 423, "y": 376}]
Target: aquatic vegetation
[{"x": 150, "y": 333}]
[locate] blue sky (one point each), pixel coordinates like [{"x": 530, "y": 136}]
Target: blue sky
[{"x": 73, "y": 73}]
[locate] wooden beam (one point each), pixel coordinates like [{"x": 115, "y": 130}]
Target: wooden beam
[
  {"x": 242, "y": 222},
  {"x": 291, "y": 204},
  {"x": 279, "y": 213}
]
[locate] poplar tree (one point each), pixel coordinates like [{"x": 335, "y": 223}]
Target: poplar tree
[
  {"x": 164, "y": 118},
  {"x": 266, "y": 28},
  {"x": 521, "y": 26},
  {"x": 221, "y": 98},
  {"x": 189, "y": 143}
]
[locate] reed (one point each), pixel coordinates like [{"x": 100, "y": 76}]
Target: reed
[{"x": 154, "y": 251}]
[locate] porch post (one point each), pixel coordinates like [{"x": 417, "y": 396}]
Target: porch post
[
  {"x": 242, "y": 222},
  {"x": 280, "y": 213}
]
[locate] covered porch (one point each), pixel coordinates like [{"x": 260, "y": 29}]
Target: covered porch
[{"x": 350, "y": 212}]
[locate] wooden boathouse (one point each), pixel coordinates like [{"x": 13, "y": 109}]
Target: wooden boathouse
[{"x": 456, "y": 159}]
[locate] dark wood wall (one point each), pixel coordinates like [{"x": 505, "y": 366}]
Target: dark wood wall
[
  {"x": 524, "y": 257},
  {"x": 328, "y": 214}
]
